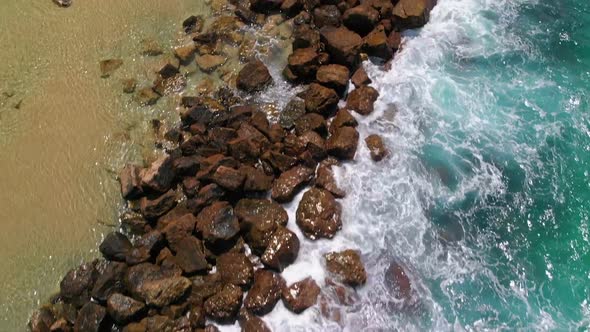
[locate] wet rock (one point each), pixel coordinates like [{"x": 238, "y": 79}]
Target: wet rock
[
  {"x": 251, "y": 323},
  {"x": 235, "y": 268},
  {"x": 177, "y": 229},
  {"x": 376, "y": 147},
  {"x": 217, "y": 222},
  {"x": 130, "y": 182},
  {"x": 327, "y": 15},
  {"x": 325, "y": 180},
  {"x": 91, "y": 318},
  {"x": 291, "y": 7},
  {"x": 253, "y": 211},
  {"x": 265, "y": 293},
  {"x": 63, "y": 3},
  {"x": 279, "y": 161},
  {"x": 253, "y": 77},
  {"x": 228, "y": 178},
  {"x": 153, "y": 208},
  {"x": 208, "y": 62},
  {"x": 206, "y": 196},
  {"x": 301, "y": 295},
  {"x": 410, "y": 14},
  {"x": 305, "y": 36},
  {"x": 76, "y": 285},
  {"x": 362, "y": 100},
  {"x": 293, "y": 111},
  {"x": 314, "y": 144},
  {"x": 394, "y": 40},
  {"x": 256, "y": 179},
  {"x": 168, "y": 66},
  {"x": 361, "y": 19},
  {"x": 282, "y": 249},
  {"x": 129, "y": 85},
  {"x": 41, "y": 320},
  {"x": 186, "y": 165},
  {"x": 197, "y": 316},
  {"x": 170, "y": 85},
  {"x": 193, "y": 24},
  {"x": 60, "y": 325},
  {"x": 162, "y": 292},
  {"x": 398, "y": 281},
  {"x": 343, "y": 45},
  {"x": 265, "y": 6},
  {"x": 333, "y": 76},
  {"x": 376, "y": 44},
  {"x": 342, "y": 143},
  {"x": 191, "y": 186},
  {"x": 303, "y": 63},
  {"x": 150, "y": 47},
  {"x": 109, "y": 280},
  {"x": 123, "y": 308},
  {"x": 146, "y": 96},
  {"x": 109, "y": 66},
  {"x": 159, "y": 176},
  {"x": 343, "y": 118},
  {"x": 318, "y": 214},
  {"x": 190, "y": 256},
  {"x": 224, "y": 305},
  {"x": 115, "y": 247},
  {"x": 360, "y": 78},
  {"x": 150, "y": 324},
  {"x": 320, "y": 99},
  {"x": 290, "y": 183},
  {"x": 347, "y": 266},
  {"x": 145, "y": 247}
]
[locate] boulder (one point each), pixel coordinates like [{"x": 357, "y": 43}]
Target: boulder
[
  {"x": 362, "y": 100},
  {"x": 76, "y": 285},
  {"x": 190, "y": 255},
  {"x": 360, "y": 78},
  {"x": 265, "y": 293},
  {"x": 333, "y": 76},
  {"x": 159, "y": 176},
  {"x": 376, "y": 147},
  {"x": 347, "y": 266},
  {"x": 326, "y": 15},
  {"x": 167, "y": 66},
  {"x": 343, "y": 142},
  {"x": 92, "y": 318},
  {"x": 225, "y": 304},
  {"x": 398, "y": 281},
  {"x": 217, "y": 222},
  {"x": 394, "y": 40},
  {"x": 235, "y": 268},
  {"x": 290, "y": 183},
  {"x": 376, "y": 44},
  {"x": 253, "y": 211},
  {"x": 228, "y": 178},
  {"x": 256, "y": 179},
  {"x": 282, "y": 249},
  {"x": 193, "y": 24},
  {"x": 109, "y": 280},
  {"x": 123, "y": 308},
  {"x": 152, "y": 208},
  {"x": 314, "y": 144},
  {"x": 311, "y": 122},
  {"x": 303, "y": 63},
  {"x": 301, "y": 295},
  {"x": 109, "y": 66},
  {"x": 115, "y": 247},
  {"x": 209, "y": 62},
  {"x": 145, "y": 247},
  {"x": 177, "y": 229},
  {"x": 293, "y": 111},
  {"x": 343, "y": 118},
  {"x": 320, "y": 99},
  {"x": 206, "y": 196},
  {"x": 150, "y": 47},
  {"x": 146, "y": 96},
  {"x": 129, "y": 85},
  {"x": 163, "y": 292},
  {"x": 279, "y": 161},
  {"x": 411, "y": 14},
  {"x": 343, "y": 45},
  {"x": 130, "y": 182},
  {"x": 318, "y": 214},
  {"x": 253, "y": 77},
  {"x": 361, "y": 19},
  {"x": 305, "y": 36},
  {"x": 325, "y": 180}
]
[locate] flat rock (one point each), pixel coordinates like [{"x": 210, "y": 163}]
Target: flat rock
[
  {"x": 376, "y": 44},
  {"x": 210, "y": 62},
  {"x": 303, "y": 63},
  {"x": 327, "y": 15},
  {"x": 151, "y": 47},
  {"x": 228, "y": 178},
  {"x": 333, "y": 76},
  {"x": 109, "y": 280},
  {"x": 76, "y": 284},
  {"x": 301, "y": 295},
  {"x": 318, "y": 214}
]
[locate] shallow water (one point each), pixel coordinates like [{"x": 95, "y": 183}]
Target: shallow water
[{"x": 72, "y": 129}]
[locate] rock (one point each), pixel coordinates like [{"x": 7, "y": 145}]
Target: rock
[
  {"x": 224, "y": 305},
  {"x": 177, "y": 229},
  {"x": 347, "y": 266},
  {"x": 76, "y": 285},
  {"x": 301, "y": 295},
  {"x": 343, "y": 45},
  {"x": 398, "y": 281},
  {"x": 190, "y": 256},
  {"x": 361, "y": 100},
  {"x": 265, "y": 6},
  {"x": 265, "y": 293},
  {"x": 115, "y": 247},
  {"x": 168, "y": 66},
  {"x": 91, "y": 318},
  {"x": 318, "y": 214},
  {"x": 206, "y": 196},
  {"x": 291, "y": 7},
  {"x": 334, "y": 77},
  {"x": 193, "y": 24},
  {"x": 159, "y": 176},
  {"x": 360, "y": 78},
  {"x": 228, "y": 178},
  {"x": 60, "y": 325},
  {"x": 314, "y": 144},
  {"x": 327, "y": 15},
  {"x": 253, "y": 77},
  {"x": 290, "y": 183},
  {"x": 145, "y": 247},
  {"x": 303, "y": 63},
  {"x": 162, "y": 292},
  {"x": 109, "y": 280},
  {"x": 191, "y": 186},
  {"x": 376, "y": 44},
  {"x": 394, "y": 40},
  {"x": 235, "y": 268},
  {"x": 109, "y": 66},
  {"x": 305, "y": 36},
  {"x": 208, "y": 62},
  {"x": 129, "y": 85},
  {"x": 343, "y": 118},
  {"x": 146, "y": 96},
  {"x": 251, "y": 323},
  {"x": 325, "y": 180},
  {"x": 186, "y": 165},
  {"x": 153, "y": 208},
  {"x": 217, "y": 222},
  {"x": 293, "y": 111},
  {"x": 282, "y": 249},
  {"x": 376, "y": 146},
  {"x": 342, "y": 143},
  {"x": 259, "y": 219},
  {"x": 279, "y": 161},
  {"x": 170, "y": 85},
  {"x": 150, "y": 47},
  {"x": 123, "y": 308},
  {"x": 130, "y": 182},
  {"x": 63, "y": 3},
  {"x": 256, "y": 179},
  {"x": 411, "y": 14},
  {"x": 41, "y": 320},
  {"x": 361, "y": 19},
  {"x": 150, "y": 324},
  {"x": 320, "y": 99}
]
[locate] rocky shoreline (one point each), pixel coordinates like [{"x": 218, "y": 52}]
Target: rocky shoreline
[{"x": 205, "y": 235}]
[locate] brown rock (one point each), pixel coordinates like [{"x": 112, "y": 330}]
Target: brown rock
[
  {"x": 190, "y": 256},
  {"x": 150, "y": 47},
  {"x": 153, "y": 208},
  {"x": 224, "y": 305},
  {"x": 123, "y": 308},
  {"x": 252, "y": 323},
  {"x": 361, "y": 19},
  {"x": 177, "y": 229},
  {"x": 264, "y": 6},
  {"x": 290, "y": 183},
  {"x": 333, "y": 76},
  {"x": 319, "y": 99},
  {"x": 206, "y": 196},
  {"x": 314, "y": 144},
  {"x": 376, "y": 146},
  {"x": 256, "y": 179},
  {"x": 209, "y": 62},
  {"x": 291, "y": 7},
  {"x": 145, "y": 247},
  {"x": 76, "y": 284},
  {"x": 162, "y": 292},
  {"x": 279, "y": 161},
  {"x": 130, "y": 182},
  {"x": 305, "y": 36},
  {"x": 342, "y": 143},
  {"x": 146, "y": 96},
  {"x": 228, "y": 178},
  {"x": 376, "y": 44},
  {"x": 411, "y": 14},
  {"x": 265, "y": 293},
  {"x": 109, "y": 66},
  {"x": 361, "y": 100},
  {"x": 168, "y": 66},
  {"x": 327, "y": 15},
  {"x": 193, "y": 24},
  {"x": 217, "y": 222},
  {"x": 398, "y": 281},
  {"x": 129, "y": 85},
  {"x": 60, "y": 325},
  {"x": 347, "y": 266},
  {"x": 235, "y": 268},
  {"x": 293, "y": 111},
  {"x": 41, "y": 320},
  {"x": 253, "y": 77},
  {"x": 301, "y": 295},
  {"x": 394, "y": 40},
  {"x": 108, "y": 280},
  {"x": 343, "y": 118},
  {"x": 303, "y": 63},
  {"x": 159, "y": 176},
  {"x": 282, "y": 249},
  {"x": 325, "y": 180},
  {"x": 311, "y": 122},
  {"x": 318, "y": 214},
  {"x": 185, "y": 52},
  {"x": 343, "y": 45},
  {"x": 115, "y": 247},
  {"x": 360, "y": 78},
  {"x": 170, "y": 85},
  {"x": 91, "y": 318}
]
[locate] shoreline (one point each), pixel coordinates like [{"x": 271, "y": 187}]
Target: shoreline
[{"x": 204, "y": 205}]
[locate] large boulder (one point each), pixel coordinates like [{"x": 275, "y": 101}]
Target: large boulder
[
  {"x": 190, "y": 255},
  {"x": 217, "y": 222},
  {"x": 152, "y": 208},
  {"x": 235, "y": 268},
  {"x": 303, "y": 63},
  {"x": 109, "y": 280},
  {"x": 92, "y": 318},
  {"x": 224, "y": 305},
  {"x": 159, "y": 176},
  {"x": 76, "y": 285},
  {"x": 347, "y": 267},
  {"x": 301, "y": 295},
  {"x": 318, "y": 214},
  {"x": 343, "y": 45},
  {"x": 253, "y": 77},
  {"x": 377, "y": 45},
  {"x": 361, "y": 19},
  {"x": 311, "y": 122},
  {"x": 290, "y": 183},
  {"x": 162, "y": 292},
  {"x": 362, "y": 100},
  {"x": 123, "y": 308},
  {"x": 115, "y": 246},
  {"x": 130, "y": 182},
  {"x": 282, "y": 249},
  {"x": 376, "y": 147},
  {"x": 320, "y": 99},
  {"x": 343, "y": 142},
  {"x": 327, "y": 15},
  {"x": 333, "y": 76},
  {"x": 411, "y": 14},
  {"x": 265, "y": 293}
]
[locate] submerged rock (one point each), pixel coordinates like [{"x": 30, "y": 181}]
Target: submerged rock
[
  {"x": 347, "y": 266},
  {"x": 208, "y": 62},
  {"x": 63, "y": 3},
  {"x": 109, "y": 66},
  {"x": 376, "y": 147}
]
